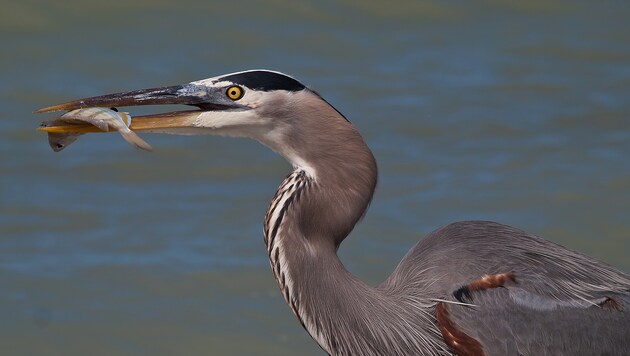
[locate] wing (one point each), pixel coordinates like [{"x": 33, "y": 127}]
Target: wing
[
  {"x": 513, "y": 321},
  {"x": 500, "y": 291}
]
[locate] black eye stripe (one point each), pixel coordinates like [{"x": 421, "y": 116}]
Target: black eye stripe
[{"x": 264, "y": 80}]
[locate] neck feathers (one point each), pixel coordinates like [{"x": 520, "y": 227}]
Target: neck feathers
[
  {"x": 305, "y": 222},
  {"x": 282, "y": 245},
  {"x": 312, "y": 212},
  {"x": 328, "y": 301}
]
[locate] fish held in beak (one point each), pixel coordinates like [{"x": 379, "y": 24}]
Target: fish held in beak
[
  {"x": 102, "y": 119},
  {"x": 91, "y": 114}
]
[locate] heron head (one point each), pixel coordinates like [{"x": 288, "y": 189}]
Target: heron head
[
  {"x": 242, "y": 99},
  {"x": 271, "y": 107}
]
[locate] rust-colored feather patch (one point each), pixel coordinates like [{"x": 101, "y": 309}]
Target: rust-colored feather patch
[
  {"x": 610, "y": 304},
  {"x": 491, "y": 281},
  {"x": 464, "y": 294},
  {"x": 460, "y": 342}
]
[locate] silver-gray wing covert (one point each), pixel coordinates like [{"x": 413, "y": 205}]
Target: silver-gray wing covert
[{"x": 500, "y": 291}]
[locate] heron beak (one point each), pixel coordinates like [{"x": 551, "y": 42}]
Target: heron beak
[{"x": 204, "y": 97}]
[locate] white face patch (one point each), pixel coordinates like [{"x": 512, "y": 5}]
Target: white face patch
[
  {"x": 231, "y": 123},
  {"x": 252, "y": 123},
  {"x": 237, "y": 123}
]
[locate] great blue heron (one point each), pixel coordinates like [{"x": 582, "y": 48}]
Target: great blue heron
[{"x": 470, "y": 288}]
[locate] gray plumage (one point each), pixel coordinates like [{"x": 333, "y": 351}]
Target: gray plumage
[
  {"x": 553, "y": 307},
  {"x": 472, "y": 287}
]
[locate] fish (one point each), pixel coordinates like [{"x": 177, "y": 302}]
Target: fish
[{"x": 104, "y": 119}]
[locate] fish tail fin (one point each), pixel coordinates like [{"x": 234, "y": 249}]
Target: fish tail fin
[{"x": 135, "y": 140}]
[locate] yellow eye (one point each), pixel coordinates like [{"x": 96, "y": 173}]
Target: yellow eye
[{"x": 234, "y": 92}]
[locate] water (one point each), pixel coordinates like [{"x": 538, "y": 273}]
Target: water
[{"x": 510, "y": 111}]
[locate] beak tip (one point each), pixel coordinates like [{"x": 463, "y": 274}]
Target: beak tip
[{"x": 50, "y": 109}]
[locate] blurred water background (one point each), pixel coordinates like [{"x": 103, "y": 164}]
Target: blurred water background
[{"x": 513, "y": 111}]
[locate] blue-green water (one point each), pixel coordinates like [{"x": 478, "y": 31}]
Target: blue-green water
[{"x": 512, "y": 111}]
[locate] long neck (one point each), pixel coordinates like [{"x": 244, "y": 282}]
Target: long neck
[{"x": 306, "y": 221}]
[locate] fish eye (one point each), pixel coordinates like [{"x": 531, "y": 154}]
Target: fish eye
[{"x": 234, "y": 92}]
